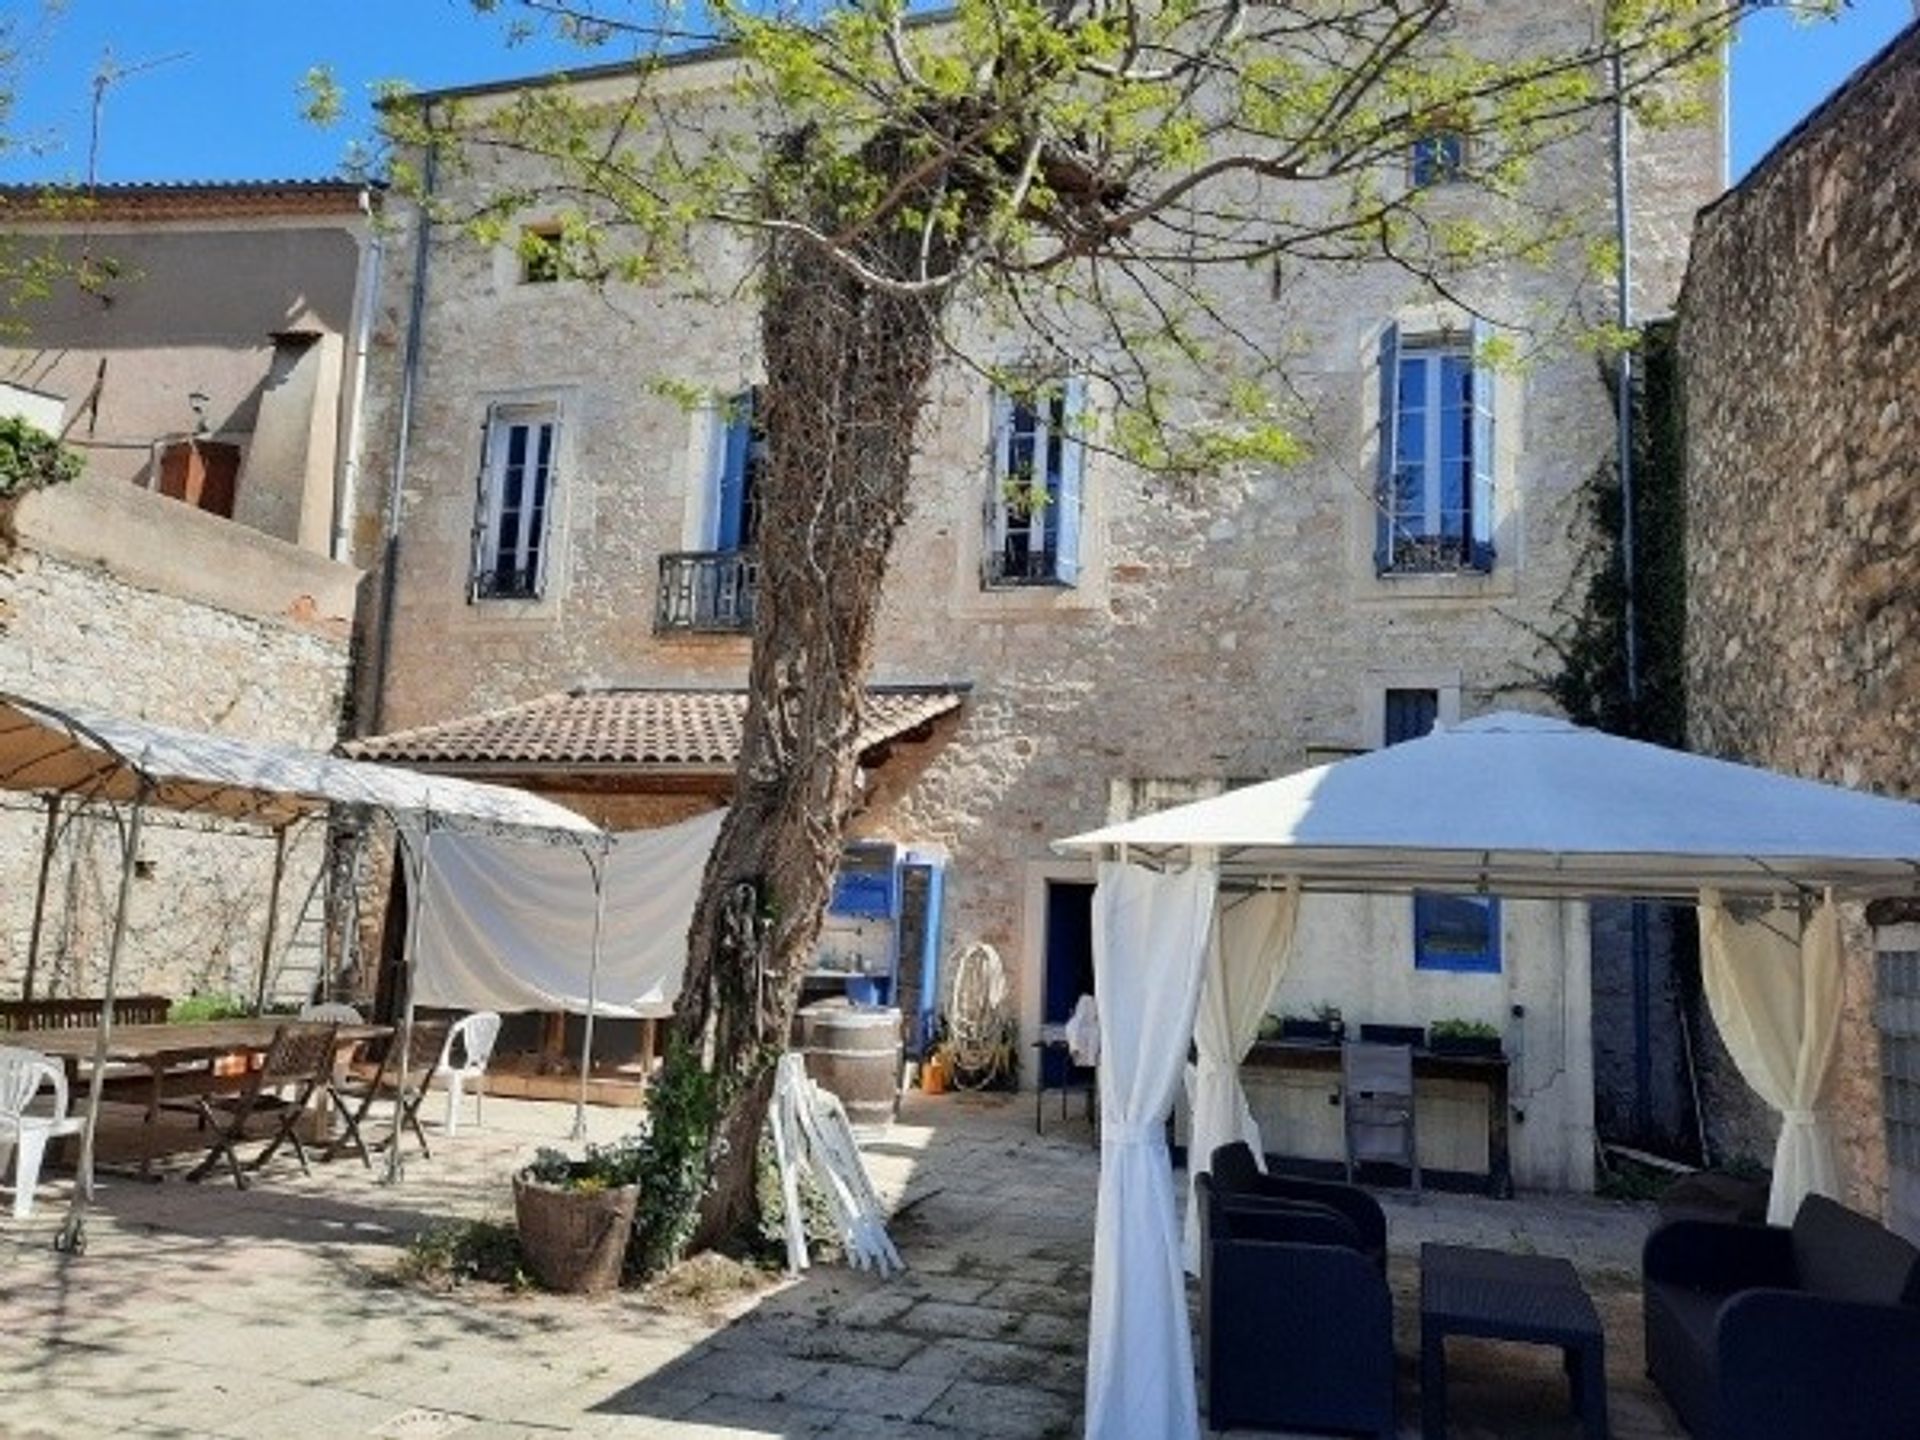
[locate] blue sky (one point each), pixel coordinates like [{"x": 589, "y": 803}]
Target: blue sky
[{"x": 221, "y": 101}]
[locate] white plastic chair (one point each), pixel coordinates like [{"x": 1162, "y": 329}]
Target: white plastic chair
[
  {"x": 332, "y": 1014},
  {"x": 25, "y": 1135},
  {"x": 473, "y": 1037}
]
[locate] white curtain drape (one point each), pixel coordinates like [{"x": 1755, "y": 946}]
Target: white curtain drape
[
  {"x": 1252, "y": 944},
  {"x": 1149, "y": 947},
  {"x": 510, "y": 926},
  {"x": 1774, "y": 987}
]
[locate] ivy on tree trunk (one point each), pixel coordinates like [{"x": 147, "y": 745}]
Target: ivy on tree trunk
[{"x": 848, "y": 363}]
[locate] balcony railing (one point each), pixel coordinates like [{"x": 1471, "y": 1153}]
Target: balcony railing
[
  {"x": 706, "y": 592},
  {"x": 1017, "y": 565}
]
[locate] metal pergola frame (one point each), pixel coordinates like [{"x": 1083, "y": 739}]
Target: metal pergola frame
[{"x": 82, "y": 763}]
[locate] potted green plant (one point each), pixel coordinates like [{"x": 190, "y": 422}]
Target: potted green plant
[
  {"x": 1323, "y": 1027},
  {"x": 1463, "y": 1037},
  {"x": 576, "y": 1216}
]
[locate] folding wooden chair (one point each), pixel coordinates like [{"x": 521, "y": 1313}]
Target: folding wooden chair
[
  {"x": 355, "y": 1099},
  {"x": 299, "y": 1060}
]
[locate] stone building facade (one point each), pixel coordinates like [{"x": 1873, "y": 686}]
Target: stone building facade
[
  {"x": 1236, "y": 632},
  {"x": 1801, "y": 362},
  {"x": 199, "y": 348}
]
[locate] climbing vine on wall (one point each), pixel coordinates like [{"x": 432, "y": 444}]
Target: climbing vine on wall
[
  {"x": 30, "y": 459},
  {"x": 1587, "y": 644}
]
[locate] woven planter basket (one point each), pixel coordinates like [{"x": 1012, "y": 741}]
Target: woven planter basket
[{"x": 574, "y": 1240}]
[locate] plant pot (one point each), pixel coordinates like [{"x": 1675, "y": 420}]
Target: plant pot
[
  {"x": 1315, "y": 1032},
  {"x": 933, "y": 1074},
  {"x": 574, "y": 1240},
  {"x": 1480, "y": 1046}
]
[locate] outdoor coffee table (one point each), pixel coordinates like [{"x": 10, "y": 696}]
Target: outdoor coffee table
[{"x": 1494, "y": 1296}]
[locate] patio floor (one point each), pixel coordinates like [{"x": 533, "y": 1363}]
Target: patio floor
[{"x": 201, "y": 1310}]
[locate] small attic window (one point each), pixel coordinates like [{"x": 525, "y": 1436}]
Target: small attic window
[{"x": 540, "y": 255}]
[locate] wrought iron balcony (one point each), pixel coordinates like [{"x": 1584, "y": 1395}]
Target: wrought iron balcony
[
  {"x": 520, "y": 584},
  {"x": 1016, "y": 564},
  {"x": 1435, "y": 555},
  {"x": 706, "y": 592}
]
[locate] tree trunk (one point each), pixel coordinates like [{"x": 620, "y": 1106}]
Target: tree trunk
[{"x": 847, "y": 368}]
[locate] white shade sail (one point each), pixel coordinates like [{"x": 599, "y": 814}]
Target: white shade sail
[
  {"x": 1530, "y": 806},
  {"x": 506, "y": 926},
  {"x": 93, "y": 756}
]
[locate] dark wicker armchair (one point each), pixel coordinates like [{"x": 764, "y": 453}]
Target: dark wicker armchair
[
  {"x": 1296, "y": 1323},
  {"x": 1235, "y": 1173},
  {"x": 1792, "y": 1334}
]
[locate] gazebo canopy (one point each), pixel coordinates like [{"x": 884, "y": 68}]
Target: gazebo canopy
[
  {"x": 1524, "y": 805},
  {"x": 73, "y": 752}
]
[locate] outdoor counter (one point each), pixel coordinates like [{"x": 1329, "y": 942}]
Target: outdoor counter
[{"x": 1489, "y": 1072}]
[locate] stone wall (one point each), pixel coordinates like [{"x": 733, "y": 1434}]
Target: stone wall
[
  {"x": 1232, "y": 631},
  {"x": 85, "y": 622},
  {"x": 1801, "y": 378}
]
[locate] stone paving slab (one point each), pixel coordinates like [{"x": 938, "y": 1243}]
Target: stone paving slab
[{"x": 204, "y": 1311}]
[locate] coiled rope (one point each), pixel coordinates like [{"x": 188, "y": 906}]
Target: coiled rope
[{"x": 978, "y": 1017}]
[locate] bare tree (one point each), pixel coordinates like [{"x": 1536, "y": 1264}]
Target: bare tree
[{"x": 1081, "y": 170}]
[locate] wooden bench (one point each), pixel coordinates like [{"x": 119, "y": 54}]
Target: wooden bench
[{"x": 81, "y": 1013}]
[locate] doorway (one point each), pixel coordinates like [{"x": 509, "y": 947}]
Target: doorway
[{"x": 1068, "y": 968}]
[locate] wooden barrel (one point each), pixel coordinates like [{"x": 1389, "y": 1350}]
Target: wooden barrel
[{"x": 854, "y": 1051}]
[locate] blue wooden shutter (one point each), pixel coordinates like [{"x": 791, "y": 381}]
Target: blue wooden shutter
[
  {"x": 482, "y": 505},
  {"x": 1073, "y": 467},
  {"x": 1389, "y": 447},
  {"x": 733, "y": 472},
  {"x": 1482, "y": 382}
]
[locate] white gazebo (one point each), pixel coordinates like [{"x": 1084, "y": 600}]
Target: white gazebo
[{"x": 1509, "y": 804}]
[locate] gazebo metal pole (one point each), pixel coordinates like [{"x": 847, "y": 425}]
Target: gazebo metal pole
[
  {"x": 273, "y": 918},
  {"x": 597, "y": 864},
  {"x": 73, "y": 1233},
  {"x": 414, "y": 863},
  {"x": 49, "y": 841}
]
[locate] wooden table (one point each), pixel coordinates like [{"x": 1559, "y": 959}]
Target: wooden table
[
  {"x": 1489, "y": 1071},
  {"x": 178, "y": 1061}
]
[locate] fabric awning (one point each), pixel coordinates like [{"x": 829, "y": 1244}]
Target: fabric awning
[
  {"x": 504, "y": 926},
  {"x": 1524, "y": 805},
  {"x": 89, "y": 755}
]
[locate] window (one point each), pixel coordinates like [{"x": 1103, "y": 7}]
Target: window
[
  {"x": 1410, "y": 714},
  {"x": 1435, "y": 497},
  {"x": 540, "y": 255},
  {"x": 1456, "y": 932},
  {"x": 738, "y": 480},
  {"x": 1450, "y": 932},
  {"x": 204, "y": 473},
  {"x": 1033, "y": 511},
  {"x": 1438, "y": 158},
  {"x": 514, "y": 509}
]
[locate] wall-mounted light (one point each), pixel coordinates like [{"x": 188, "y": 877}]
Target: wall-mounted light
[{"x": 199, "y": 400}]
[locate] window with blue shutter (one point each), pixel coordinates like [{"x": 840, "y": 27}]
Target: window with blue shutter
[
  {"x": 1410, "y": 714},
  {"x": 1436, "y": 456},
  {"x": 513, "y": 514},
  {"x": 1460, "y": 933},
  {"x": 1034, "y": 510},
  {"x": 742, "y": 461},
  {"x": 1438, "y": 158}
]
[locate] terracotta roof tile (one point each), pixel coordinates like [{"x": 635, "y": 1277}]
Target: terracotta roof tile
[{"x": 678, "y": 729}]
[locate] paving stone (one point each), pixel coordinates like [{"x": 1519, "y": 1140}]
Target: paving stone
[
  {"x": 994, "y": 1410},
  {"x": 868, "y": 1392},
  {"x": 933, "y": 1317}
]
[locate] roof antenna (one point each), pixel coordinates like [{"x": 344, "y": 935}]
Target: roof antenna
[{"x": 104, "y": 78}]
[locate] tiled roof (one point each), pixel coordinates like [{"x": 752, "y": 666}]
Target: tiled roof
[
  {"x": 180, "y": 199},
  {"x": 669, "y": 729}
]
